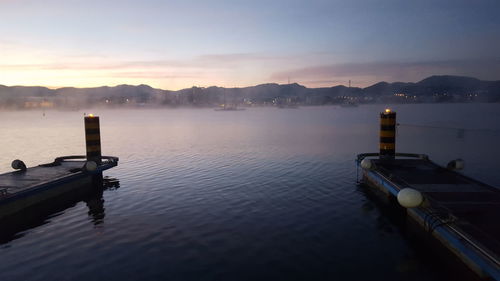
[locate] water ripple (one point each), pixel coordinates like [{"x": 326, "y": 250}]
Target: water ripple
[{"x": 266, "y": 194}]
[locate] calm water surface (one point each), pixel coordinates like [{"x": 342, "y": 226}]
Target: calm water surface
[{"x": 261, "y": 194}]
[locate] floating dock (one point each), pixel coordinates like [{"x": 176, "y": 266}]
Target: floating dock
[
  {"x": 22, "y": 189},
  {"x": 460, "y": 212},
  {"x": 27, "y": 187}
]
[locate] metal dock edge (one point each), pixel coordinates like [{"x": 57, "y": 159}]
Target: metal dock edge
[
  {"x": 389, "y": 177},
  {"x": 23, "y": 189}
]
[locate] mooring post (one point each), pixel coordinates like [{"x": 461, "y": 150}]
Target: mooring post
[
  {"x": 93, "y": 138},
  {"x": 387, "y": 134}
]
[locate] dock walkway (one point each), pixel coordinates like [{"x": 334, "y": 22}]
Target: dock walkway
[
  {"x": 19, "y": 181},
  {"x": 473, "y": 206},
  {"x": 21, "y": 189},
  {"x": 463, "y": 213}
]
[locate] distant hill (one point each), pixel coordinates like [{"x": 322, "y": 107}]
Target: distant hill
[{"x": 432, "y": 89}]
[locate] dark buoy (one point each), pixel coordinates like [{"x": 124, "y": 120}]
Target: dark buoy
[{"x": 18, "y": 165}]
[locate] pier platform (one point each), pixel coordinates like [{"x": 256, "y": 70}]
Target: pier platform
[
  {"x": 25, "y": 188},
  {"x": 460, "y": 212}
]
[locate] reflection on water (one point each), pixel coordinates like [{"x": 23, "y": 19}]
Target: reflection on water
[
  {"x": 261, "y": 194},
  {"x": 19, "y": 224}
]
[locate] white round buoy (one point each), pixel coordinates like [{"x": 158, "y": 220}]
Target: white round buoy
[
  {"x": 366, "y": 164},
  {"x": 90, "y": 166},
  {"x": 410, "y": 198}
]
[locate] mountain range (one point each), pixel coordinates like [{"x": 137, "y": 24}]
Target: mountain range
[{"x": 432, "y": 89}]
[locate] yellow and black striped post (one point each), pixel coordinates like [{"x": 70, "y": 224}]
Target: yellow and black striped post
[
  {"x": 93, "y": 138},
  {"x": 387, "y": 134}
]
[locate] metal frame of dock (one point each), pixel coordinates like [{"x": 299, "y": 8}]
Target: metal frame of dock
[
  {"x": 460, "y": 212},
  {"x": 25, "y": 188}
]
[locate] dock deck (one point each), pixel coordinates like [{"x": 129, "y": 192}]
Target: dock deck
[
  {"x": 461, "y": 212},
  {"x": 22, "y": 189}
]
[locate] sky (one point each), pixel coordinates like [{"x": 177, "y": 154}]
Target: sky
[{"x": 180, "y": 44}]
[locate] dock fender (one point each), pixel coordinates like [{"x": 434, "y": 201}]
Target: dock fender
[
  {"x": 18, "y": 165},
  {"x": 410, "y": 198},
  {"x": 366, "y": 164},
  {"x": 457, "y": 164}
]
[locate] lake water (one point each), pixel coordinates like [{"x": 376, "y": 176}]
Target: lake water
[{"x": 260, "y": 194}]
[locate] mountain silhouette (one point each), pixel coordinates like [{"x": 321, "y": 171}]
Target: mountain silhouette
[{"x": 444, "y": 88}]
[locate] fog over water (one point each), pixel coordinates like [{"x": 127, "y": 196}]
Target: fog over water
[{"x": 263, "y": 193}]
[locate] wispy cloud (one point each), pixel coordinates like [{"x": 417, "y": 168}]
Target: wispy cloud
[
  {"x": 366, "y": 73},
  {"x": 153, "y": 75},
  {"x": 208, "y": 69},
  {"x": 22, "y": 65},
  {"x": 237, "y": 57},
  {"x": 101, "y": 62},
  {"x": 21, "y": 68}
]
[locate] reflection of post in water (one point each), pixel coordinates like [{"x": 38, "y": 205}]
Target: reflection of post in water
[
  {"x": 43, "y": 213},
  {"x": 95, "y": 202}
]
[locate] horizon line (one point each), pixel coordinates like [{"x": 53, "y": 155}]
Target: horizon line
[{"x": 204, "y": 87}]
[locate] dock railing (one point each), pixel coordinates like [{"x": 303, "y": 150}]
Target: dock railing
[
  {"x": 80, "y": 157},
  {"x": 362, "y": 156}
]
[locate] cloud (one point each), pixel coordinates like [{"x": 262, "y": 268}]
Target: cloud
[
  {"x": 241, "y": 69},
  {"x": 322, "y": 83},
  {"x": 152, "y": 75},
  {"x": 487, "y": 69},
  {"x": 70, "y": 65},
  {"x": 88, "y": 62},
  {"x": 86, "y": 70},
  {"x": 236, "y": 57}
]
